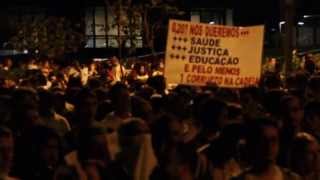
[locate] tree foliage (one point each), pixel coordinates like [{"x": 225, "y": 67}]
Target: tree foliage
[
  {"x": 49, "y": 35},
  {"x": 150, "y": 17}
]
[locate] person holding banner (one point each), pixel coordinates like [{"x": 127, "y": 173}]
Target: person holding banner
[
  {"x": 118, "y": 71},
  {"x": 142, "y": 73}
]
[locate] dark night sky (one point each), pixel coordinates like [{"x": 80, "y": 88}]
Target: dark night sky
[{"x": 246, "y": 12}]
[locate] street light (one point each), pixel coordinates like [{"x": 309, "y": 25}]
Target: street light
[
  {"x": 311, "y": 16},
  {"x": 280, "y": 25}
]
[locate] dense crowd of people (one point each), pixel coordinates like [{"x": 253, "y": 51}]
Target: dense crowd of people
[{"x": 103, "y": 121}]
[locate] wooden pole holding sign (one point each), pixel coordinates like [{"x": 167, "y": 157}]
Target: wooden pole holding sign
[
  {"x": 198, "y": 54},
  {"x": 120, "y": 40},
  {"x": 289, "y": 11}
]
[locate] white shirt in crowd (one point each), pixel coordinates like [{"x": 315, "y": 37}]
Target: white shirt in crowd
[
  {"x": 117, "y": 73},
  {"x": 84, "y": 75}
]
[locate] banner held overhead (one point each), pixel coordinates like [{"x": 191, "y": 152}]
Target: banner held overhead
[{"x": 198, "y": 54}]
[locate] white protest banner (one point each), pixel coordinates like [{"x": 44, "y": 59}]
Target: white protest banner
[{"x": 199, "y": 53}]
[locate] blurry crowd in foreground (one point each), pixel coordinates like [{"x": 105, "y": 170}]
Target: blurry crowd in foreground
[{"x": 87, "y": 122}]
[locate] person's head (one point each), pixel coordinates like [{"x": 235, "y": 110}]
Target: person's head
[
  {"x": 235, "y": 113},
  {"x": 39, "y": 80},
  {"x": 294, "y": 51},
  {"x": 46, "y": 103},
  {"x": 212, "y": 114},
  {"x": 5, "y": 108},
  {"x": 74, "y": 82},
  {"x": 93, "y": 66},
  {"x": 94, "y": 83},
  {"x": 45, "y": 72},
  {"x": 50, "y": 151},
  {"x": 311, "y": 124},
  {"x": 145, "y": 92},
  {"x": 313, "y": 88},
  {"x": 31, "y": 60},
  {"x": 273, "y": 61},
  {"x": 26, "y": 118},
  {"x": 141, "y": 108},
  {"x": 142, "y": 70},
  {"x": 136, "y": 148},
  {"x": 228, "y": 95},
  {"x": 46, "y": 147},
  {"x": 59, "y": 100},
  {"x": 6, "y": 149},
  {"x": 131, "y": 136},
  {"x": 226, "y": 146},
  {"x": 71, "y": 95},
  {"x": 93, "y": 146},
  {"x": 24, "y": 96},
  {"x": 304, "y": 156},
  {"x": 158, "y": 104},
  {"x": 103, "y": 109},
  {"x": 272, "y": 81},
  {"x": 272, "y": 102},
  {"x": 262, "y": 140},
  {"x": 302, "y": 80},
  {"x": 180, "y": 164},
  {"x": 179, "y": 104},
  {"x": 45, "y": 62},
  {"x": 25, "y": 112},
  {"x": 120, "y": 98},
  {"x": 251, "y": 101},
  {"x": 166, "y": 132},
  {"x": 309, "y": 64},
  {"x": 298, "y": 81},
  {"x": 115, "y": 61},
  {"x": 7, "y": 80},
  {"x": 158, "y": 83},
  {"x": 7, "y": 62},
  {"x": 291, "y": 111},
  {"x": 86, "y": 105}
]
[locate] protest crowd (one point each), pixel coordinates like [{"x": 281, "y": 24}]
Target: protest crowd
[{"x": 105, "y": 121}]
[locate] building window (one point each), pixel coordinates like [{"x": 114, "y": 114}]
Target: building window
[
  {"x": 102, "y": 30},
  {"x": 318, "y": 36},
  {"x": 212, "y": 16},
  {"x": 305, "y": 36}
]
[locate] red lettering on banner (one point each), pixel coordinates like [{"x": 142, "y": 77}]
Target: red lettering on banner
[
  {"x": 225, "y": 32},
  {"x": 201, "y": 69},
  {"x": 179, "y": 28},
  {"x": 228, "y": 81},
  {"x": 227, "y": 71},
  {"x": 215, "y": 79},
  {"x": 246, "y": 81},
  {"x": 186, "y": 68},
  {"x": 203, "y": 79},
  {"x": 196, "y": 30}
]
